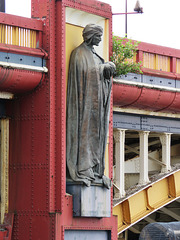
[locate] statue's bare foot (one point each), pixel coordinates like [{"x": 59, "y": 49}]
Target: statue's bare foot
[
  {"x": 87, "y": 182},
  {"x": 107, "y": 182}
]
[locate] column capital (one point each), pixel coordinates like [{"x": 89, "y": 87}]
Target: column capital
[
  {"x": 117, "y": 134},
  {"x": 144, "y": 132},
  {"x": 165, "y": 133},
  {"x": 164, "y": 137}
]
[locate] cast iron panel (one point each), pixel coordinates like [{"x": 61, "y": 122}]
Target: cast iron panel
[
  {"x": 86, "y": 235},
  {"x": 126, "y": 121},
  {"x": 150, "y": 80},
  {"x": 3, "y": 57},
  {"x": 22, "y": 59},
  {"x": 131, "y": 77},
  {"x": 160, "y": 124},
  {"x": 159, "y": 81},
  {"x": 177, "y": 83},
  {"x": 146, "y": 123}
]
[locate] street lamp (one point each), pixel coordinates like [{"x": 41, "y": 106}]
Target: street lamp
[
  {"x": 137, "y": 9},
  {"x": 2, "y": 5}
]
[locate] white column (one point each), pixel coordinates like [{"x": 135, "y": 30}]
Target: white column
[
  {"x": 119, "y": 136},
  {"x": 143, "y": 158},
  {"x": 165, "y": 139}
]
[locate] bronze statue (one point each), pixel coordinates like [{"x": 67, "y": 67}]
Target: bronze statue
[{"x": 88, "y": 103}]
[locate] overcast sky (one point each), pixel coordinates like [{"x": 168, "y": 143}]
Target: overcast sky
[
  {"x": 19, "y": 7},
  {"x": 158, "y": 24}
]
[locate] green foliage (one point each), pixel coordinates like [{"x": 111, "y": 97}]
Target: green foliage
[{"x": 123, "y": 52}]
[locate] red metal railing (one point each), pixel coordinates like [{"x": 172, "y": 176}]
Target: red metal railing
[
  {"x": 159, "y": 61},
  {"x": 21, "y": 36},
  {"x": 20, "y": 31}
]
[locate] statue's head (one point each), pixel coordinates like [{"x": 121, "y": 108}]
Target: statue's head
[{"x": 92, "y": 34}]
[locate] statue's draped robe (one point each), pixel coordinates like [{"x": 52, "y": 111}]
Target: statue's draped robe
[{"x": 88, "y": 101}]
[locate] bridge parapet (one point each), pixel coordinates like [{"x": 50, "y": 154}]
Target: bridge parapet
[
  {"x": 22, "y": 59},
  {"x": 159, "y": 60},
  {"x": 146, "y": 151},
  {"x": 20, "y": 31}
]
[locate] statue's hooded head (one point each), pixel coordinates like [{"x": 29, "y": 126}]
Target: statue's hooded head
[{"x": 90, "y": 31}]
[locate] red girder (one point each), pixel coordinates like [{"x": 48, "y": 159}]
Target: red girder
[
  {"x": 6, "y": 228},
  {"x": 19, "y": 81},
  {"x": 38, "y": 138},
  {"x": 22, "y": 22},
  {"x": 153, "y": 48},
  {"x": 36, "y": 52},
  {"x": 145, "y": 98}
]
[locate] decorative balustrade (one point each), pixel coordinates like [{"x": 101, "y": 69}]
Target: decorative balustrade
[
  {"x": 22, "y": 59},
  {"x": 159, "y": 60},
  {"x": 17, "y": 36},
  {"x": 20, "y": 31}
]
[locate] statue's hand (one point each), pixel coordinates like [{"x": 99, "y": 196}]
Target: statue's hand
[{"x": 109, "y": 70}]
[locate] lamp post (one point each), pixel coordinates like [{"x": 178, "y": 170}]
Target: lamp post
[
  {"x": 126, "y": 19},
  {"x": 137, "y": 9},
  {"x": 2, "y": 5}
]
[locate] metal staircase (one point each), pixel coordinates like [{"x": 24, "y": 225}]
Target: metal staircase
[
  {"x": 142, "y": 201},
  {"x": 138, "y": 202}
]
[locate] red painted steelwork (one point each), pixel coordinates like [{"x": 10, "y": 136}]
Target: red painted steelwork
[
  {"x": 171, "y": 53},
  {"x": 92, "y": 6},
  {"x": 3, "y": 234},
  {"x": 144, "y": 98},
  {"x": 153, "y": 48},
  {"x": 52, "y": 156},
  {"x": 175, "y": 106},
  {"x": 150, "y": 99},
  {"x": 60, "y": 108},
  {"x": 18, "y": 81},
  {"x": 154, "y": 100},
  {"x": 21, "y": 22},
  {"x": 36, "y": 52},
  {"x": 38, "y": 139},
  {"x": 69, "y": 223},
  {"x": 6, "y": 228},
  {"x": 124, "y": 95},
  {"x": 158, "y": 73}
]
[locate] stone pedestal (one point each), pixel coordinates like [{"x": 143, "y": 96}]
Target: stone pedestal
[{"x": 93, "y": 201}]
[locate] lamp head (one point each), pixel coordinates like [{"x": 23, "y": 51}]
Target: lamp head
[{"x": 138, "y": 8}]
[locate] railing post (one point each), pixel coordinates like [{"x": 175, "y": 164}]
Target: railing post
[
  {"x": 143, "y": 174},
  {"x": 139, "y": 56},
  {"x": 173, "y": 64},
  {"x": 119, "y": 136},
  {"x": 165, "y": 139}
]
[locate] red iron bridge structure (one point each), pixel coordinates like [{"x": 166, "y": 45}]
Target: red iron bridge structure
[{"x": 143, "y": 149}]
